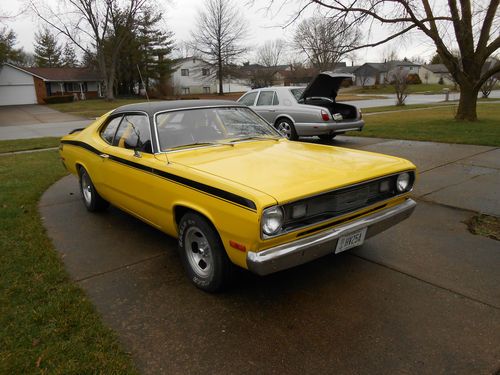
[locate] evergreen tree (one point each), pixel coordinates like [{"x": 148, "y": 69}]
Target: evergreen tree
[
  {"x": 148, "y": 48},
  {"x": 69, "y": 58},
  {"x": 155, "y": 46},
  {"x": 47, "y": 51},
  {"x": 7, "y": 51},
  {"x": 436, "y": 59}
]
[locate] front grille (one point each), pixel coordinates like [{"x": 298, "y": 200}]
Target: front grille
[{"x": 339, "y": 202}]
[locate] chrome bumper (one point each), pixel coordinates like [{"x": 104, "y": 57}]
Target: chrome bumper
[{"x": 307, "y": 249}]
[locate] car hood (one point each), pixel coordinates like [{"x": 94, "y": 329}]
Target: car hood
[
  {"x": 289, "y": 170},
  {"x": 325, "y": 85}
]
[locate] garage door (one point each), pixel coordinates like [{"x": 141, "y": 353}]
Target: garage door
[{"x": 17, "y": 94}]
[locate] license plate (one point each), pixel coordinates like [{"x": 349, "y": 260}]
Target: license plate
[{"x": 351, "y": 240}]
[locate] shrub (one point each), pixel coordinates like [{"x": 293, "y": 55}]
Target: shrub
[
  {"x": 413, "y": 79},
  {"x": 58, "y": 99}
]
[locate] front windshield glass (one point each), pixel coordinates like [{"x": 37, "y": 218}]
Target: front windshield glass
[
  {"x": 210, "y": 126},
  {"x": 297, "y": 92}
]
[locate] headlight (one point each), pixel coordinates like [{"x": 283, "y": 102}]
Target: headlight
[
  {"x": 403, "y": 182},
  {"x": 272, "y": 220}
]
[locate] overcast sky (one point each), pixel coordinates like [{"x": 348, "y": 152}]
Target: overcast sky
[{"x": 263, "y": 25}]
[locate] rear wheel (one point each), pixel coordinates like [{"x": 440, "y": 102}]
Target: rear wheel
[
  {"x": 327, "y": 137},
  {"x": 203, "y": 255},
  {"x": 286, "y": 127},
  {"x": 91, "y": 198}
]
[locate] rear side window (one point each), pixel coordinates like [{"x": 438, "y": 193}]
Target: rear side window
[
  {"x": 134, "y": 133},
  {"x": 265, "y": 98},
  {"x": 109, "y": 130},
  {"x": 275, "y": 99},
  {"x": 248, "y": 99}
]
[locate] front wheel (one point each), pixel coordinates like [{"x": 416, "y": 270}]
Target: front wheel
[
  {"x": 327, "y": 137},
  {"x": 91, "y": 198},
  {"x": 286, "y": 128},
  {"x": 203, "y": 255}
]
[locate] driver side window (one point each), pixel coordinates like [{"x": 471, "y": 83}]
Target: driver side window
[{"x": 134, "y": 133}]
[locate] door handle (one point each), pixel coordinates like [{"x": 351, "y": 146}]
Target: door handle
[
  {"x": 104, "y": 156},
  {"x": 272, "y": 110}
]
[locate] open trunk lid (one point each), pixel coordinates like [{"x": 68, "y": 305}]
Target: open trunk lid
[{"x": 325, "y": 85}]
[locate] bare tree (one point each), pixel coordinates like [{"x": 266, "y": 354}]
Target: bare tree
[
  {"x": 270, "y": 53},
  {"x": 399, "y": 80},
  {"x": 218, "y": 37},
  {"x": 269, "y": 56},
  {"x": 325, "y": 40},
  {"x": 473, "y": 27},
  {"x": 97, "y": 27}
]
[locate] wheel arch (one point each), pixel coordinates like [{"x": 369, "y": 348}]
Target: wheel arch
[
  {"x": 181, "y": 208},
  {"x": 282, "y": 115}
]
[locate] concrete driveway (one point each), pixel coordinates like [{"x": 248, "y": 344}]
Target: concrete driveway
[
  {"x": 13, "y": 115},
  {"x": 34, "y": 121},
  {"x": 421, "y": 298}
]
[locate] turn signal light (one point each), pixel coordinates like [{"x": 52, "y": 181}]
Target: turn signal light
[
  {"x": 237, "y": 246},
  {"x": 324, "y": 115}
]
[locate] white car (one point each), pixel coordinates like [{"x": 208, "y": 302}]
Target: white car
[{"x": 306, "y": 111}]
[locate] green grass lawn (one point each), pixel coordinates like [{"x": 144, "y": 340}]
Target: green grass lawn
[
  {"x": 28, "y": 144},
  {"x": 48, "y": 325},
  {"x": 436, "y": 124}
]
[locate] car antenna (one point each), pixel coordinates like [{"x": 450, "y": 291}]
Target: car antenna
[{"x": 142, "y": 81}]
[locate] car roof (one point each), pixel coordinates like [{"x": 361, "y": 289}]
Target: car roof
[{"x": 157, "y": 106}]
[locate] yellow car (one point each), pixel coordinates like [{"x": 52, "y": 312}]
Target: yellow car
[{"x": 218, "y": 177}]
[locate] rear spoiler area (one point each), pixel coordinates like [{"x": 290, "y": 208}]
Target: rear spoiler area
[{"x": 76, "y": 130}]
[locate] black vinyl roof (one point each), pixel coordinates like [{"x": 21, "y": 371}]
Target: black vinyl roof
[{"x": 157, "y": 106}]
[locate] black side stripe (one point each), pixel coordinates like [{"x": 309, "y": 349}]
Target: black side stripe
[{"x": 225, "y": 195}]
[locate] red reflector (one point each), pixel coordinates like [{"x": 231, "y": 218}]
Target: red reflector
[
  {"x": 237, "y": 245},
  {"x": 324, "y": 115}
]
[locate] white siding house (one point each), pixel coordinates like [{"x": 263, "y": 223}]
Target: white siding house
[
  {"x": 435, "y": 73},
  {"x": 16, "y": 86},
  {"x": 194, "y": 76}
]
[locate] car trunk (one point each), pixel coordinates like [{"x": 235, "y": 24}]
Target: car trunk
[{"x": 322, "y": 92}]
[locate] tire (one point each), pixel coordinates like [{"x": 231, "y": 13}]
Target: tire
[
  {"x": 286, "y": 127},
  {"x": 91, "y": 198},
  {"x": 203, "y": 255},
  {"x": 327, "y": 137}
]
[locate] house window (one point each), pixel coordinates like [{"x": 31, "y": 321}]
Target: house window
[
  {"x": 185, "y": 91},
  {"x": 205, "y": 71},
  {"x": 184, "y": 72},
  {"x": 411, "y": 67},
  {"x": 74, "y": 87},
  {"x": 206, "y": 89}
]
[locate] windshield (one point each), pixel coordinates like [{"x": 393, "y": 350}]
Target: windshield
[
  {"x": 297, "y": 92},
  {"x": 207, "y": 126}
]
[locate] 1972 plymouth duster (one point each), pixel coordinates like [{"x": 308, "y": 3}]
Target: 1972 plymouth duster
[{"x": 231, "y": 189}]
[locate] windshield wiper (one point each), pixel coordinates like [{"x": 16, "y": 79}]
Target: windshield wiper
[
  {"x": 194, "y": 144},
  {"x": 254, "y": 137}
]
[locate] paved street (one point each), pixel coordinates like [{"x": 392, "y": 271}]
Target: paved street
[
  {"x": 32, "y": 121},
  {"x": 420, "y": 298}
]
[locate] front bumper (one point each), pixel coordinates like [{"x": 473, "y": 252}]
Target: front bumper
[{"x": 318, "y": 245}]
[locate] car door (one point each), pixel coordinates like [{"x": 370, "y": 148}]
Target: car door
[
  {"x": 266, "y": 105},
  {"x": 129, "y": 161}
]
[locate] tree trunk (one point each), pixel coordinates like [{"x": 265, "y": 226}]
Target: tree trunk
[
  {"x": 467, "y": 104},
  {"x": 221, "y": 81}
]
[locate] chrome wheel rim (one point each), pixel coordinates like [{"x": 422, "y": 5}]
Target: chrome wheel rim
[
  {"x": 198, "y": 252},
  {"x": 285, "y": 129},
  {"x": 86, "y": 189}
]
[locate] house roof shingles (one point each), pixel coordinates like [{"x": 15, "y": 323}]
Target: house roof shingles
[{"x": 65, "y": 74}]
